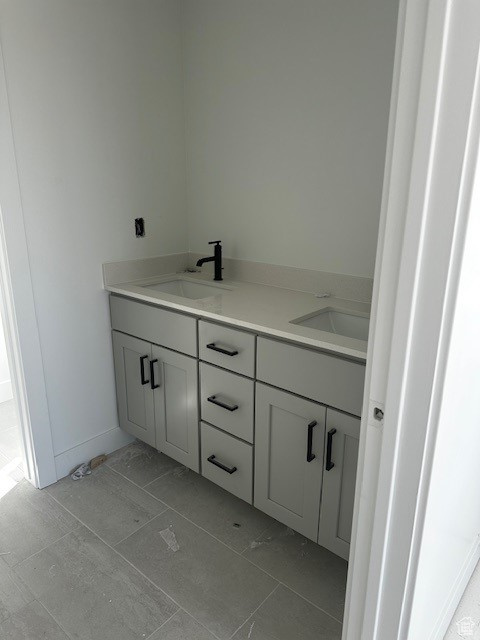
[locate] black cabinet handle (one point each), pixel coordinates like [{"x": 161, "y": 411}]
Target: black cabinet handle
[
  {"x": 152, "y": 374},
  {"x": 310, "y": 455},
  {"x": 142, "y": 370},
  {"x": 227, "y": 352},
  {"x": 228, "y": 407},
  {"x": 329, "y": 464},
  {"x": 214, "y": 461}
]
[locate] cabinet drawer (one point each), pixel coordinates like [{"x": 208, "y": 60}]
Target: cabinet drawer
[
  {"x": 166, "y": 328},
  {"x": 319, "y": 376},
  {"x": 219, "y": 387},
  {"x": 227, "y": 348},
  {"x": 236, "y": 459}
]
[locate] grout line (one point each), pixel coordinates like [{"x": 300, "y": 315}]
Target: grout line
[
  {"x": 32, "y": 555},
  {"x": 114, "y": 544},
  {"x": 137, "y": 569},
  {"x": 255, "y": 611},
  {"x": 149, "y": 483},
  {"x": 54, "y": 619},
  {"x": 136, "y": 483},
  {"x": 234, "y": 550},
  {"x": 163, "y": 623}
]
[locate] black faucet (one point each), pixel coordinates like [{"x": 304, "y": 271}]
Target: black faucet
[{"x": 217, "y": 258}]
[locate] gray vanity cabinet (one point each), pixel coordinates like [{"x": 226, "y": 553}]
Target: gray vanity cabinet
[
  {"x": 157, "y": 397},
  {"x": 134, "y": 396},
  {"x": 338, "y": 494},
  {"x": 289, "y": 448},
  {"x": 176, "y": 400}
]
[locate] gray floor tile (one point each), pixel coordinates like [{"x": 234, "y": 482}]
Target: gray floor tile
[
  {"x": 8, "y": 415},
  {"x": 213, "y": 583},
  {"x": 14, "y": 595},
  {"x": 223, "y": 515},
  {"x": 107, "y": 503},
  {"x": 140, "y": 463},
  {"x": 29, "y": 521},
  {"x": 10, "y": 443},
  {"x": 92, "y": 592},
  {"x": 286, "y": 616},
  {"x": 182, "y": 627},
  {"x": 31, "y": 623},
  {"x": 310, "y": 570}
]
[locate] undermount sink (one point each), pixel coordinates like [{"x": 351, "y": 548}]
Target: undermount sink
[
  {"x": 343, "y": 323},
  {"x": 187, "y": 288}
]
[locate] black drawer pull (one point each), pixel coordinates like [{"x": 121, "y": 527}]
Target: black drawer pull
[
  {"x": 228, "y": 407},
  {"x": 227, "y": 352},
  {"x": 328, "y": 463},
  {"x": 214, "y": 461},
  {"x": 310, "y": 455},
  {"x": 142, "y": 370},
  {"x": 152, "y": 375}
]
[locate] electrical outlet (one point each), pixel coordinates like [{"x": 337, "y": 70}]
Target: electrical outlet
[{"x": 139, "y": 228}]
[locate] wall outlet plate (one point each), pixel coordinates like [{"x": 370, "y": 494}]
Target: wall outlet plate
[{"x": 139, "y": 228}]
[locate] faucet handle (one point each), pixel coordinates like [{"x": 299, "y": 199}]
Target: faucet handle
[{"x": 215, "y": 242}]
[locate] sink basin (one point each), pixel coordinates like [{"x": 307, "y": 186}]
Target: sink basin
[
  {"x": 343, "y": 323},
  {"x": 187, "y": 288}
]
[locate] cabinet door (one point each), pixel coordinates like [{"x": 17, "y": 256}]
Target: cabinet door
[
  {"x": 289, "y": 444},
  {"x": 134, "y": 395},
  {"x": 338, "y": 494},
  {"x": 176, "y": 406}
]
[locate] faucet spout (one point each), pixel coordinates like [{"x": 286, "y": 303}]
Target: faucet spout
[{"x": 203, "y": 260}]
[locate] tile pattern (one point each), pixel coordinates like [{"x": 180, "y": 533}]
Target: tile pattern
[
  {"x": 301, "y": 564},
  {"x": 106, "y": 502},
  {"x": 31, "y": 623},
  {"x": 78, "y": 564},
  {"x": 226, "y": 517},
  {"x": 217, "y": 586}
]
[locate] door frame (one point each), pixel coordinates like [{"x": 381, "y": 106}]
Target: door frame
[
  {"x": 411, "y": 311},
  {"x": 17, "y": 306}
]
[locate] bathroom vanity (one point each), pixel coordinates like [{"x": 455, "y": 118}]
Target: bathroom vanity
[{"x": 271, "y": 414}]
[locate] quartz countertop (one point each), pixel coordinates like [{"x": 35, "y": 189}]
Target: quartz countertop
[{"x": 263, "y": 309}]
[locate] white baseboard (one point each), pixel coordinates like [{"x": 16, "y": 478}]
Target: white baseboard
[
  {"x": 457, "y": 591},
  {"x": 104, "y": 443},
  {"x": 6, "y": 392}
]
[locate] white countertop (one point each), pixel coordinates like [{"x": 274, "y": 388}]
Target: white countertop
[{"x": 260, "y": 308}]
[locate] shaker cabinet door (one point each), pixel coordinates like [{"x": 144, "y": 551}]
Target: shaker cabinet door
[
  {"x": 134, "y": 393},
  {"x": 176, "y": 405},
  {"x": 289, "y": 447},
  {"x": 338, "y": 494}
]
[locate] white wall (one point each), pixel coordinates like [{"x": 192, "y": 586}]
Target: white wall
[
  {"x": 95, "y": 93},
  {"x": 287, "y": 107}
]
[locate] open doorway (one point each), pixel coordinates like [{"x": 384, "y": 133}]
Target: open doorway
[{"x": 11, "y": 450}]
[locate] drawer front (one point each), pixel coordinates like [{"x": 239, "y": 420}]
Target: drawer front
[
  {"x": 166, "y": 328},
  {"x": 227, "y": 401},
  {"x": 319, "y": 376},
  {"x": 231, "y": 462},
  {"x": 227, "y": 348}
]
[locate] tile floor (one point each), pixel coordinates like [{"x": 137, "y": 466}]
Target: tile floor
[{"x": 146, "y": 549}]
